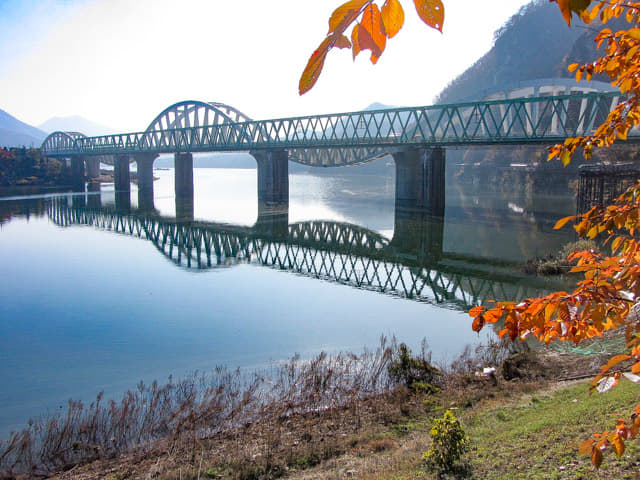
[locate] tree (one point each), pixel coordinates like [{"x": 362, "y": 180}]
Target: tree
[{"x": 607, "y": 297}]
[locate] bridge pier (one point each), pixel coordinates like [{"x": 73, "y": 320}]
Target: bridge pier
[
  {"x": 92, "y": 167},
  {"x": 144, "y": 163},
  {"x": 420, "y": 199},
  {"x": 94, "y": 200},
  {"x": 273, "y": 192},
  {"x": 121, "y": 175},
  {"x": 184, "y": 186},
  {"x": 420, "y": 180},
  {"x": 77, "y": 170}
]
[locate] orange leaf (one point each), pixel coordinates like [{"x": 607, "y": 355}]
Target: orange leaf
[
  {"x": 475, "y": 311},
  {"x": 345, "y": 15},
  {"x": 355, "y": 42},
  {"x": 565, "y": 8},
  {"x": 392, "y": 17},
  {"x": 562, "y": 222},
  {"x": 596, "y": 457},
  {"x": 431, "y": 12},
  {"x": 314, "y": 66},
  {"x": 618, "y": 445},
  {"x": 586, "y": 447},
  {"x": 613, "y": 361},
  {"x": 372, "y": 35},
  {"x": 478, "y": 323}
]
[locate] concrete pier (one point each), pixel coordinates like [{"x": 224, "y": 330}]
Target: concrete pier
[
  {"x": 184, "y": 208},
  {"x": 144, "y": 163},
  {"x": 184, "y": 186},
  {"x": 420, "y": 179},
  {"x": 419, "y": 206},
  {"x": 121, "y": 175},
  {"x": 77, "y": 170},
  {"x": 92, "y": 167},
  {"x": 273, "y": 192},
  {"x": 184, "y": 174},
  {"x": 94, "y": 200},
  {"x": 273, "y": 176}
]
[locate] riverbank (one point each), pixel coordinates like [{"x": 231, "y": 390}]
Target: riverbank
[{"x": 537, "y": 417}]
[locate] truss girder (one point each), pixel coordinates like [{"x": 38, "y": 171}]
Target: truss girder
[{"x": 205, "y": 127}]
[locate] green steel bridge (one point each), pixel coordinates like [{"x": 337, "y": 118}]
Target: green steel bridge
[
  {"x": 332, "y": 251},
  {"x": 354, "y": 137}
]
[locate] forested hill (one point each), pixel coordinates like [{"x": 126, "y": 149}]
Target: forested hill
[{"x": 535, "y": 43}]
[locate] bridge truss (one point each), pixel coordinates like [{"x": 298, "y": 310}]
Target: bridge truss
[{"x": 183, "y": 128}]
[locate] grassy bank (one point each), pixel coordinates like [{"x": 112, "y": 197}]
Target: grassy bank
[{"x": 340, "y": 417}]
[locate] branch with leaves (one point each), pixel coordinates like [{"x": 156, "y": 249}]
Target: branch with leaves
[
  {"x": 608, "y": 298},
  {"x": 370, "y": 27},
  {"x": 621, "y": 63}
]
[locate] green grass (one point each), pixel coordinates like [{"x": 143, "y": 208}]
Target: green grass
[{"x": 539, "y": 439}]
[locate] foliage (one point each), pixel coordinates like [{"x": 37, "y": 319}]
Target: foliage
[
  {"x": 448, "y": 443},
  {"x": 621, "y": 63},
  {"x": 22, "y": 166},
  {"x": 373, "y": 25},
  {"x": 416, "y": 372},
  {"x": 606, "y": 298}
]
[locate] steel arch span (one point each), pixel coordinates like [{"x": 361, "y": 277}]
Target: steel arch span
[
  {"x": 60, "y": 142},
  {"x": 192, "y": 114}
]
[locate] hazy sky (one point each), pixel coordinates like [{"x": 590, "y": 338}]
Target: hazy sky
[{"x": 121, "y": 62}]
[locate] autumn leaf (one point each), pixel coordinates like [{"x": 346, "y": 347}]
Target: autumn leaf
[
  {"x": 567, "y": 7},
  {"x": 562, "y": 222},
  {"x": 596, "y": 457},
  {"x": 345, "y": 15},
  {"x": 314, "y": 66},
  {"x": 431, "y": 12},
  {"x": 586, "y": 447},
  {"x": 371, "y": 33},
  {"x": 392, "y": 17}
]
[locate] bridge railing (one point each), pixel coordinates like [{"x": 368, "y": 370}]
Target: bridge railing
[{"x": 519, "y": 120}]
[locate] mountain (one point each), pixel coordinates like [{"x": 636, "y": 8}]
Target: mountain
[
  {"x": 76, "y": 123},
  {"x": 14, "y": 133},
  {"x": 534, "y": 43}
]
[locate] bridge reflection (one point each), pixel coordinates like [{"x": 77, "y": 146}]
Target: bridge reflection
[{"x": 333, "y": 251}]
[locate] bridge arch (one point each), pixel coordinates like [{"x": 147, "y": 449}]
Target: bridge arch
[
  {"x": 189, "y": 114},
  {"x": 194, "y": 113},
  {"x": 60, "y": 141}
]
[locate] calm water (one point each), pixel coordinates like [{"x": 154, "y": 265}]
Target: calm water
[{"x": 84, "y": 309}]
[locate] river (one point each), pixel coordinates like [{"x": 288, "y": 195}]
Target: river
[{"x": 84, "y": 309}]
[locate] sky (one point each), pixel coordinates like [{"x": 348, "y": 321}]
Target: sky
[{"x": 121, "y": 62}]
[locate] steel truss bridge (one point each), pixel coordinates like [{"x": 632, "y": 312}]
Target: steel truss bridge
[
  {"x": 336, "y": 252},
  {"x": 194, "y": 126}
]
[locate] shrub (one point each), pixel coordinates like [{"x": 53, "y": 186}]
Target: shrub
[
  {"x": 448, "y": 444},
  {"x": 416, "y": 372}
]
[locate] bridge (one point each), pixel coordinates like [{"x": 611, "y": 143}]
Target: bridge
[
  {"x": 332, "y": 251},
  {"x": 542, "y": 112}
]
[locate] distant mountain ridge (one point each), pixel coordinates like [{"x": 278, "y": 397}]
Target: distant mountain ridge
[
  {"x": 76, "y": 123},
  {"x": 535, "y": 43},
  {"x": 14, "y": 133}
]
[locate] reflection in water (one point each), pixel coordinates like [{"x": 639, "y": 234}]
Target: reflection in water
[{"x": 411, "y": 265}]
